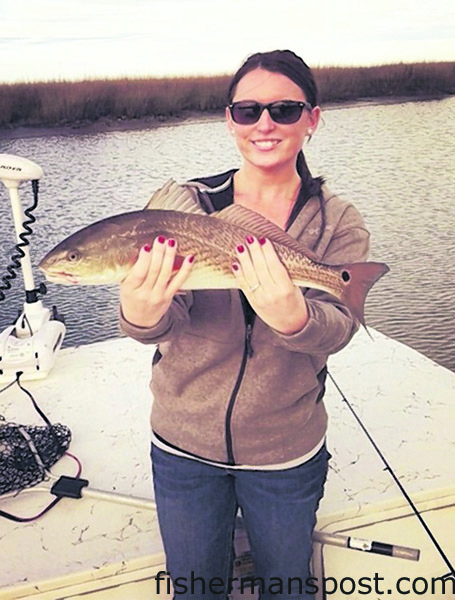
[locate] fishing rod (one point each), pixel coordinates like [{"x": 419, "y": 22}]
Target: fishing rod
[
  {"x": 396, "y": 479},
  {"x": 76, "y": 488}
]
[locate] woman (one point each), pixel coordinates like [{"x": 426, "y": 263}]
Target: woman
[{"x": 238, "y": 418}]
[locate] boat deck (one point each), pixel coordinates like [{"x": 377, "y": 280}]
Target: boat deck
[{"x": 100, "y": 547}]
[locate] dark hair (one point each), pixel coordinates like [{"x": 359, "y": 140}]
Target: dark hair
[
  {"x": 285, "y": 62},
  {"x": 292, "y": 66}
]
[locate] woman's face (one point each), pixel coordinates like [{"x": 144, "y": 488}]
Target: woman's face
[{"x": 268, "y": 145}]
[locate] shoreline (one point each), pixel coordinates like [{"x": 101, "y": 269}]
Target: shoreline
[{"x": 112, "y": 125}]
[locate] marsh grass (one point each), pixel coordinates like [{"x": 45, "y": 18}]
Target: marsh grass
[
  {"x": 59, "y": 103},
  {"x": 418, "y": 79}
]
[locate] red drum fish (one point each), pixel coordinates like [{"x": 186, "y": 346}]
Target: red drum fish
[{"x": 104, "y": 252}]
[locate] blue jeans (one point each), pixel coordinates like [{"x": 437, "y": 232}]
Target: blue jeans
[{"x": 197, "y": 505}]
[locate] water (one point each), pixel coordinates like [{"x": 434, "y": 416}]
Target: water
[{"x": 395, "y": 162}]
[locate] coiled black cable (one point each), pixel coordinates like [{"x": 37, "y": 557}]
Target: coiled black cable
[{"x": 18, "y": 253}]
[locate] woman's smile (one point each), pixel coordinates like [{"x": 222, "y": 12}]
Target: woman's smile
[{"x": 265, "y": 145}]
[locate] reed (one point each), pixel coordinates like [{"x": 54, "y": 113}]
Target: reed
[
  {"x": 338, "y": 84},
  {"x": 58, "y": 103}
]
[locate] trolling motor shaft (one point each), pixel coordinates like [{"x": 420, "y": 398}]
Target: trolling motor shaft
[
  {"x": 29, "y": 346},
  {"x": 14, "y": 170}
]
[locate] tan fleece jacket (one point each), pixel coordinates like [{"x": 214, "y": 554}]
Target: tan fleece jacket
[{"x": 215, "y": 401}]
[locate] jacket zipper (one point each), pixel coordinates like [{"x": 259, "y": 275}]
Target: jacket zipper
[{"x": 247, "y": 353}]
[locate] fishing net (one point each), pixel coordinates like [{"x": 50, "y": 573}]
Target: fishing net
[{"x": 28, "y": 451}]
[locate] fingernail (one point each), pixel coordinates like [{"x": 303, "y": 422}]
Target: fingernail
[
  {"x": 262, "y": 241},
  {"x": 191, "y": 258},
  {"x": 240, "y": 249},
  {"x": 161, "y": 239},
  {"x": 249, "y": 239},
  {"x": 147, "y": 248},
  {"x": 171, "y": 243},
  {"x": 235, "y": 267}
]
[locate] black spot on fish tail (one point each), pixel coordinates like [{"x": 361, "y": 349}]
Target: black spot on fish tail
[{"x": 359, "y": 279}]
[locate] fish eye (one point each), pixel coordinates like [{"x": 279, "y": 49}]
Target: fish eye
[
  {"x": 345, "y": 276},
  {"x": 73, "y": 255}
]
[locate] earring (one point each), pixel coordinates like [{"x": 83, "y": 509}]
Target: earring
[{"x": 310, "y": 132}]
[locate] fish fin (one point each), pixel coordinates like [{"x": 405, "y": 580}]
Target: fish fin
[
  {"x": 255, "y": 224},
  {"x": 361, "y": 278},
  {"x": 173, "y": 196}
]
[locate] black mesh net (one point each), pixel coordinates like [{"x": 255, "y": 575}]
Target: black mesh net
[{"x": 27, "y": 451}]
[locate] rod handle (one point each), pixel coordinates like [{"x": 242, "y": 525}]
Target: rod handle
[{"x": 363, "y": 545}]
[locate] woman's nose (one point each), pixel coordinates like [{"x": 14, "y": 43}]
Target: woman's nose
[{"x": 265, "y": 123}]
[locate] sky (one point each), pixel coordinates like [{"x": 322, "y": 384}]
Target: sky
[{"x": 78, "y": 39}]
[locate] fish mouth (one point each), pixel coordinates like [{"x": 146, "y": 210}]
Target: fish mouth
[{"x": 61, "y": 277}]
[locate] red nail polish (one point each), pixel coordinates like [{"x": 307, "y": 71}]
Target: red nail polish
[
  {"x": 147, "y": 248},
  {"x": 240, "y": 249},
  {"x": 191, "y": 258},
  {"x": 262, "y": 241},
  {"x": 235, "y": 267},
  {"x": 161, "y": 239},
  {"x": 249, "y": 239},
  {"x": 171, "y": 243}
]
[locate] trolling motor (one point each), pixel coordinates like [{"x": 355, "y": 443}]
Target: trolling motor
[{"x": 30, "y": 345}]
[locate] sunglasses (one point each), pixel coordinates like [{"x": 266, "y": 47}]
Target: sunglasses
[{"x": 283, "y": 112}]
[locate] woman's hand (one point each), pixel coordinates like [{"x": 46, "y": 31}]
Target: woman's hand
[
  {"x": 147, "y": 291},
  {"x": 266, "y": 283}
]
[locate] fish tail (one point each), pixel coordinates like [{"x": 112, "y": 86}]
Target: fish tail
[{"x": 360, "y": 278}]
